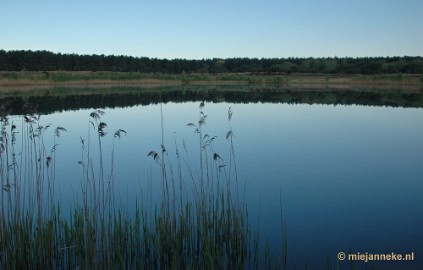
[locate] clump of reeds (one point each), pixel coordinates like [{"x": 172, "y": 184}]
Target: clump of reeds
[
  {"x": 199, "y": 226},
  {"x": 27, "y": 172}
]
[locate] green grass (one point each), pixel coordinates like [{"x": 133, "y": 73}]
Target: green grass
[
  {"x": 114, "y": 76},
  {"x": 203, "y": 226},
  {"x": 274, "y": 79},
  {"x": 66, "y": 76}
]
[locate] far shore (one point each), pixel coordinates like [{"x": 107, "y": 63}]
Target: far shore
[{"x": 23, "y": 81}]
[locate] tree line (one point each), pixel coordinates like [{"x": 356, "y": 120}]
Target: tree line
[{"x": 25, "y": 60}]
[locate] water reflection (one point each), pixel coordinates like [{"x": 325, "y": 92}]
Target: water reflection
[
  {"x": 349, "y": 177},
  {"x": 62, "y": 99}
]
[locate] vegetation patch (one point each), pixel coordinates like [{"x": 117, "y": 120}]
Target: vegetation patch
[{"x": 203, "y": 227}]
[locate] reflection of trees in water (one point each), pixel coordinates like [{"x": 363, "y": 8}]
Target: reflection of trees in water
[{"x": 130, "y": 97}]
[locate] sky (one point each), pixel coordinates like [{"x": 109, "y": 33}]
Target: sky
[{"x": 197, "y": 29}]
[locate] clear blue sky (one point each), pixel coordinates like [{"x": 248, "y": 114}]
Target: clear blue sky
[{"x": 198, "y": 29}]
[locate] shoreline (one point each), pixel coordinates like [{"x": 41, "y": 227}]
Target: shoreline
[{"x": 24, "y": 81}]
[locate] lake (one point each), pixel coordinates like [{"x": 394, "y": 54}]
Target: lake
[{"x": 345, "y": 169}]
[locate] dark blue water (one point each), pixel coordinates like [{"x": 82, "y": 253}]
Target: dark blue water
[{"x": 349, "y": 177}]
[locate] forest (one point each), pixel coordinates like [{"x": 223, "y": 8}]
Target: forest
[{"x": 26, "y": 60}]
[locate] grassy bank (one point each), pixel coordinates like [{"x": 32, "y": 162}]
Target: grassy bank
[
  {"x": 58, "y": 78},
  {"x": 202, "y": 225}
]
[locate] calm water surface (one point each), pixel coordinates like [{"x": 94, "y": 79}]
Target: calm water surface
[{"x": 349, "y": 177}]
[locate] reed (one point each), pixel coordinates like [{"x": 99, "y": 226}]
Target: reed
[{"x": 200, "y": 226}]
